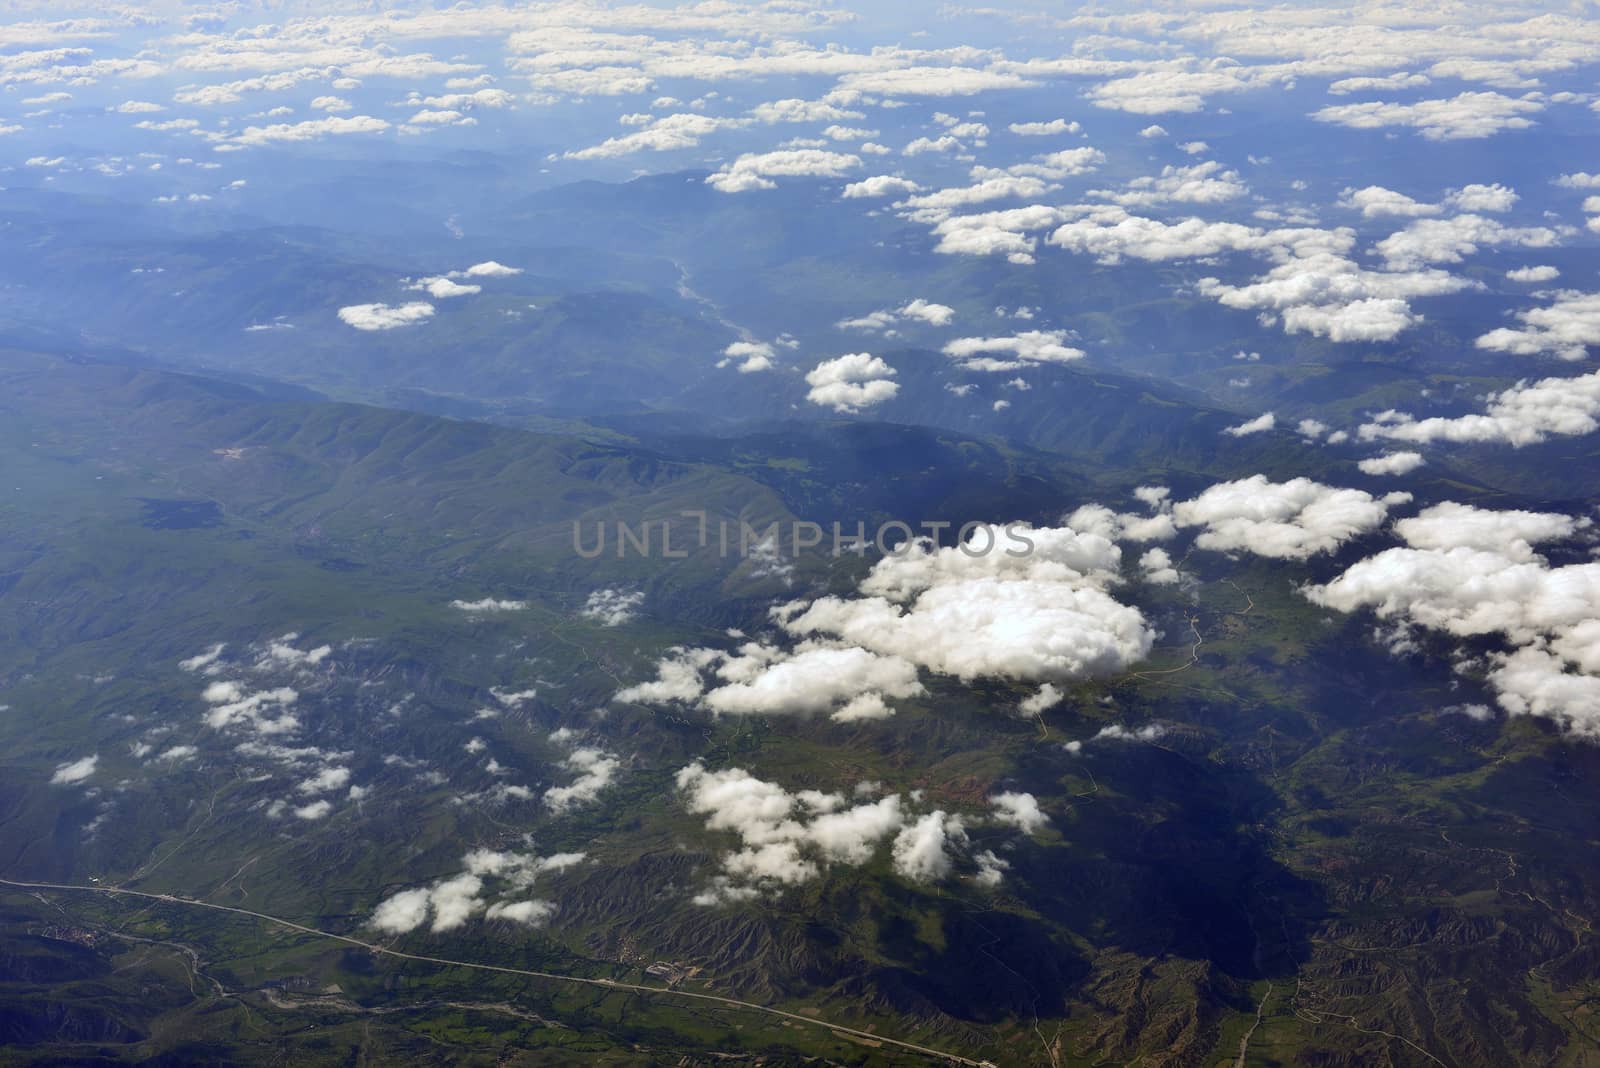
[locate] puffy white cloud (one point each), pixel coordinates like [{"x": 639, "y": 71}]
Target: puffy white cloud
[
  {"x": 1535, "y": 682},
  {"x": 932, "y": 207},
  {"x": 816, "y": 678},
  {"x": 1391, "y": 463},
  {"x": 974, "y": 611},
  {"x": 1180, "y": 86},
  {"x": 965, "y": 129},
  {"x": 1468, "y": 115},
  {"x": 1283, "y": 520},
  {"x": 1126, "y": 526},
  {"x": 795, "y": 110},
  {"x": 455, "y": 902},
  {"x": 1566, "y": 329},
  {"x": 1512, "y": 533},
  {"x": 1067, "y": 163},
  {"x": 1008, "y": 602},
  {"x": 1525, "y": 414},
  {"x": 530, "y": 913},
  {"x": 862, "y": 707},
  {"x": 1109, "y": 233},
  {"x": 995, "y": 232},
  {"x": 1579, "y": 180},
  {"x": 919, "y": 310},
  {"x": 479, "y": 98},
  {"x": 612, "y": 607},
  {"x": 490, "y": 269},
  {"x": 1153, "y": 496},
  {"x": 75, "y": 771},
  {"x": 594, "y": 81},
  {"x": 1026, "y": 349},
  {"x": 325, "y": 780},
  {"x": 851, "y": 382},
  {"x": 1260, "y": 424},
  {"x": 403, "y": 911},
  {"x": 1450, "y": 240},
  {"x": 1042, "y": 700},
  {"x": 928, "y": 312},
  {"x": 1374, "y": 201},
  {"x": 232, "y": 92},
  {"x": 677, "y": 678},
  {"x": 1498, "y": 46},
  {"x": 1473, "y": 573},
  {"x": 1044, "y": 129},
  {"x": 1328, "y": 295},
  {"x": 1019, "y": 810},
  {"x": 1158, "y": 568},
  {"x": 595, "y": 769},
  {"x": 1398, "y": 80},
  {"x": 1472, "y": 198},
  {"x": 922, "y": 146},
  {"x": 432, "y": 118},
  {"x": 753, "y": 356},
  {"x": 1202, "y": 183},
  {"x": 848, "y": 133},
  {"x": 313, "y": 810},
  {"x": 309, "y": 130},
  {"x": 1467, "y": 591},
  {"x": 385, "y": 316},
  {"x": 991, "y": 868},
  {"x": 1541, "y": 273},
  {"x": 921, "y": 850},
  {"x": 438, "y": 287},
  {"x": 755, "y": 170},
  {"x": 848, "y": 683},
  {"x": 665, "y": 134},
  {"x": 879, "y": 185}
]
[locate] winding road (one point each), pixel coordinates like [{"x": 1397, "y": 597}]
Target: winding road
[{"x": 607, "y": 984}]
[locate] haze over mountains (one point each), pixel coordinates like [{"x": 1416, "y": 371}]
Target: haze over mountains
[{"x": 329, "y": 335}]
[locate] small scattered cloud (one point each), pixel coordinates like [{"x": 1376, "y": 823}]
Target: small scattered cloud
[
  {"x": 489, "y": 604},
  {"x": 1044, "y": 129},
  {"x": 1391, "y": 463},
  {"x": 385, "y": 316},
  {"x": 1259, "y": 425},
  {"x": 75, "y": 771},
  {"x": 612, "y": 607}
]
